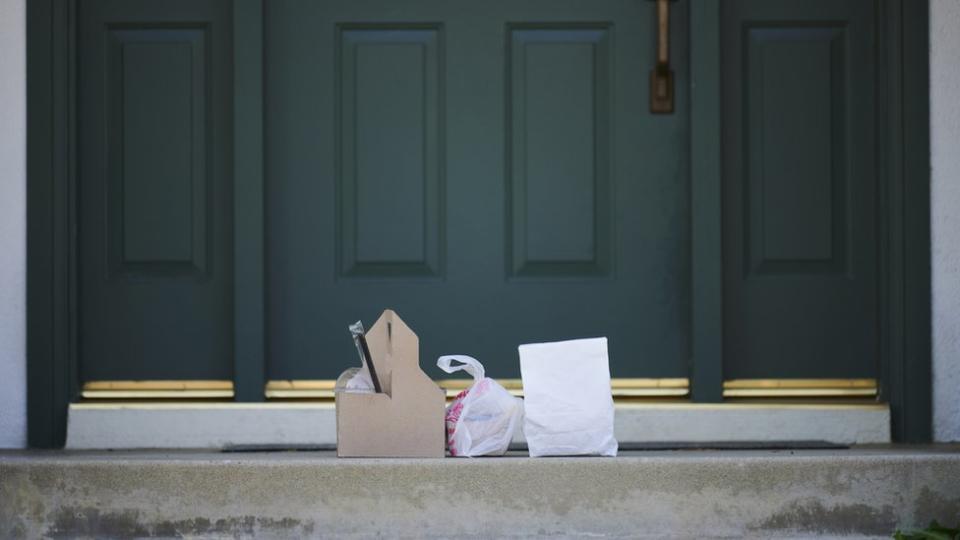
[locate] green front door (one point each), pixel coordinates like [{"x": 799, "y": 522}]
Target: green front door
[{"x": 492, "y": 171}]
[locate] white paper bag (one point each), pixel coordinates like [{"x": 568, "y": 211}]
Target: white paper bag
[{"x": 567, "y": 400}]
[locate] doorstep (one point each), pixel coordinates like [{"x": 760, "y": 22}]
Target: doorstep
[
  {"x": 217, "y": 425},
  {"x": 860, "y": 492}
]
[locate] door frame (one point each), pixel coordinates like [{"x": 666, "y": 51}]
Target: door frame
[{"x": 904, "y": 177}]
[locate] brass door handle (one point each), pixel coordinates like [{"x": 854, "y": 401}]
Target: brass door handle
[{"x": 661, "y": 78}]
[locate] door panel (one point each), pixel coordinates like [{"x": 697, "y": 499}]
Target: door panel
[
  {"x": 390, "y": 158},
  {"x": 157, "y": 186},
  {"x": 153, "y": 191},
  {"x": 492, "y": 172},
  {"x": 800, "y": 190},
  {"x": 559, "y": 150}
]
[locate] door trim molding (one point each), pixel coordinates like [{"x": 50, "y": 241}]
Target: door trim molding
[
  {"x": 706, "y": 218},
  {"x": 51, "y": 178},
  {"x": 52, "y": 375},
  {"x": 249, "y": 200},
  {"x": 905, "y": 219}
]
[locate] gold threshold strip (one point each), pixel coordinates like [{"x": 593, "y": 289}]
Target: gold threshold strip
[
  {"x": 799, "y": 388},
  {"x": 157, "y": 390},
  {"x": 674, "y": 405},
  {"x": 671, "y": 388},
  {"x": 622, "y": 388}
]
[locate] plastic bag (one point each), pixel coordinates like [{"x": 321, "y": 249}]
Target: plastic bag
[
  {"x": 355, "y": 381},
  {"x": 481, "y": 420},
  {"x": 567, "y": 399}
]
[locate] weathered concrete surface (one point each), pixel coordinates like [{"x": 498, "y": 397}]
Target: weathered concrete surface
[{"x": 860, "y": 492}]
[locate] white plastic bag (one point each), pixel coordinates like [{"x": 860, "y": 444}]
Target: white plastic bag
[
  {"x": 481, "y": 420},
  {"x": 357, "y": 381},
  {"x": 568, "y": 406}
]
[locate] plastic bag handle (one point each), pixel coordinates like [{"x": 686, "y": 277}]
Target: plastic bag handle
[{"x": 467, "y": 363}]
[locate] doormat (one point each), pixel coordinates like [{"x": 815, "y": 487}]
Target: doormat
[
  {"x": 624, "y": 446},
  {"x": 735, "y": 445}
]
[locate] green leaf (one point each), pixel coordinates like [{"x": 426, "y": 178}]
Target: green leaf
[{"x": 934, "y": 532}]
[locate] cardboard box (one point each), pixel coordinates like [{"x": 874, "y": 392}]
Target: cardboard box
[{"x": 406, "y": 419}]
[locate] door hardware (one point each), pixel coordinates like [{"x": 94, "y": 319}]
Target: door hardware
[{"x": 661, "y": 78}]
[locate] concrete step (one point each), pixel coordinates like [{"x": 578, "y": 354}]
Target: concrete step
[
  {"x": 128, "y": 426},
  {"x": 865, "y": 492}
]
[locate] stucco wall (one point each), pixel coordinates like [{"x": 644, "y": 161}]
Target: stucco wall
[
  {"x": 945, "y": 220},
  {"x": 13, "y": 202}
]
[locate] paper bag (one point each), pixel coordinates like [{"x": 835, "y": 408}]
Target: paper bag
[{"x": 567, "y": 400}]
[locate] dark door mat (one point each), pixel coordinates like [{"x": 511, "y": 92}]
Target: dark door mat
[
  {"x": 624, "y": 447},
  {"x": 717, "y": 445},
  {"x": 278, "y": 448},
  {"x": 737, "y": 445}
]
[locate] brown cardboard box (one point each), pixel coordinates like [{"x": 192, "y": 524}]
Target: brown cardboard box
[{"x": 406, "y": 419}]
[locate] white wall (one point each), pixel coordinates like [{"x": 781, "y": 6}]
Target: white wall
[
  {"x": 945, "y": 210},
  {"x": 13, "y": 228}
]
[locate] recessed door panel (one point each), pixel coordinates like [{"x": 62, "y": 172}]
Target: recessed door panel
[
  {"x": 559, "y": 150},
  {"x": 390, "y": 160},
  {"x": 797, "y": 180},
  {"x": 157, "y": 208}
]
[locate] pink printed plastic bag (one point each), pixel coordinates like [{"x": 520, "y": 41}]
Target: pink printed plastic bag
[{"x": 481, "y": 420}]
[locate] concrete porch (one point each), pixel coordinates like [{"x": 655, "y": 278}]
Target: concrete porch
[{"x": 860, "y": 492}]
